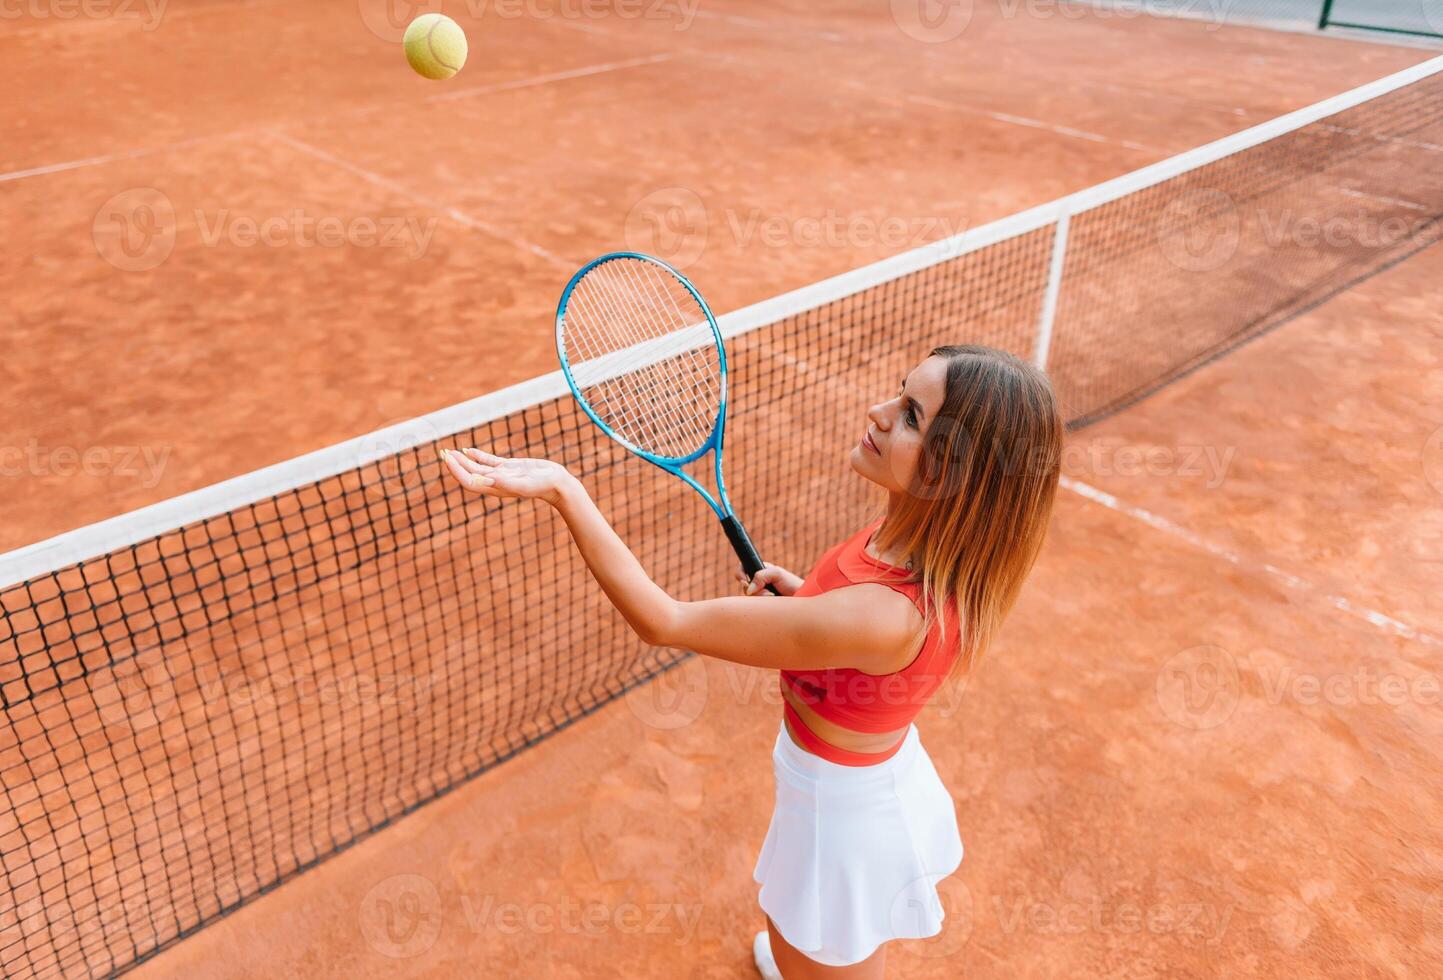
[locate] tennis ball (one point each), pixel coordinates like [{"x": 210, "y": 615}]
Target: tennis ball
[{"x": 435, "y": 46}]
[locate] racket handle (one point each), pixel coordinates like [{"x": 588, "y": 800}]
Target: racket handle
[{"x": 746, "y": 551}]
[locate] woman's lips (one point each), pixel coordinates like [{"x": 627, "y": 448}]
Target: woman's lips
[{"x": 869, "y": 445}]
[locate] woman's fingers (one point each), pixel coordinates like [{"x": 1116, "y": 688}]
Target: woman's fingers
[
  {"x": 482, "y": 456},
  {"x": 467, "y": 473}
]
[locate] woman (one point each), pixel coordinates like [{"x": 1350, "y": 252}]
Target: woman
[{"x": 967, "y": 452}]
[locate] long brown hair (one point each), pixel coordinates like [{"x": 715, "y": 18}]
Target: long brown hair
[{"x": 973, "y": 519}]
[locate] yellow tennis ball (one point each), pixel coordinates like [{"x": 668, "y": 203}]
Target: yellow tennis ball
[{"x": 435, "y": 46}]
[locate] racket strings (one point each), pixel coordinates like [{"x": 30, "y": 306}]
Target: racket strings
[
  {"x": 643, "y": 356},
  {"x": 636, "y": 399}
]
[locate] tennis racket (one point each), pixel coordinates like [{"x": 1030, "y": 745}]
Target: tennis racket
[{"x": 643, "y": 356}]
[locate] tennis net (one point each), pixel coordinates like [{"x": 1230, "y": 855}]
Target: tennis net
[{"x": 203, "y": 698}]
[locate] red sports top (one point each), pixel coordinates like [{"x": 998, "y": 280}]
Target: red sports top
[{"x": 853, "y": 698}]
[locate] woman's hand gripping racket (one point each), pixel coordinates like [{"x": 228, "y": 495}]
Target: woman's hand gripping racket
[{"x": 645, "y": 360}]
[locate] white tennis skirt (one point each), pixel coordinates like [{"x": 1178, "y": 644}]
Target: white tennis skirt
[{"x": 853, "y": 854}]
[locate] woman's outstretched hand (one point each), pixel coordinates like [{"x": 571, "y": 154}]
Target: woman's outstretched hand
[
  {"x": 779, "y": 578},
  {"x": 496, "y": 476}
]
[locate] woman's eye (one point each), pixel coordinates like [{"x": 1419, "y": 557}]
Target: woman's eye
[{"x": 912, "y": 418}]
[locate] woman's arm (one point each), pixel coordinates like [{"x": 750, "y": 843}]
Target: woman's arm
[
  {"x": 645, "y": 605},
  {"x": 869, "y": 627},
  {"x": 865, "y": 626}
]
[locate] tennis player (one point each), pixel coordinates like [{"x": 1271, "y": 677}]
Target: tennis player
[{"x": 967, "y": 452}]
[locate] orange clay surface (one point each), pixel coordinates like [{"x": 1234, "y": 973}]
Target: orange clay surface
[
  {"x": 1177, "y": 761},
  {"x": 1181, "y": 760}
]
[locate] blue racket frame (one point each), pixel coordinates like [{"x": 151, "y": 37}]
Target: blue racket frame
[{"x": 721, "y": 504}]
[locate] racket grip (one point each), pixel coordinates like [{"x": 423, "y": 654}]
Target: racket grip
[{"x": 746, "y": 551}]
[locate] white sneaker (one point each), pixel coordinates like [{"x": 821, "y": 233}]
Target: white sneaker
[{"x": 762, "y": 955}]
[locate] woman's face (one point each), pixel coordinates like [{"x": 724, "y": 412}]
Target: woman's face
[{"x": 891, "y": 448}]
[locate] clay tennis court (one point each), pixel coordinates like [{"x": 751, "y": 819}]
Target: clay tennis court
[{"x": 1205, "y": 744}]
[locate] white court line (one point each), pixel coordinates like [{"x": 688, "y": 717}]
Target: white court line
[
  {"x": 559, "y": 76},
  {"x": 772, "y": 27},
  {"x": 138, "y": 525},
  {"x": 55, "y": 168},
  {"x": 1010, "y": 119},
  {"x": 519, "y": 83},
  {"x": 1372, "y": 617},
  {"x": 456, "y": 214},
  {"x": 74, "y": 25},
  {"x": 1395, "y": 202}
]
